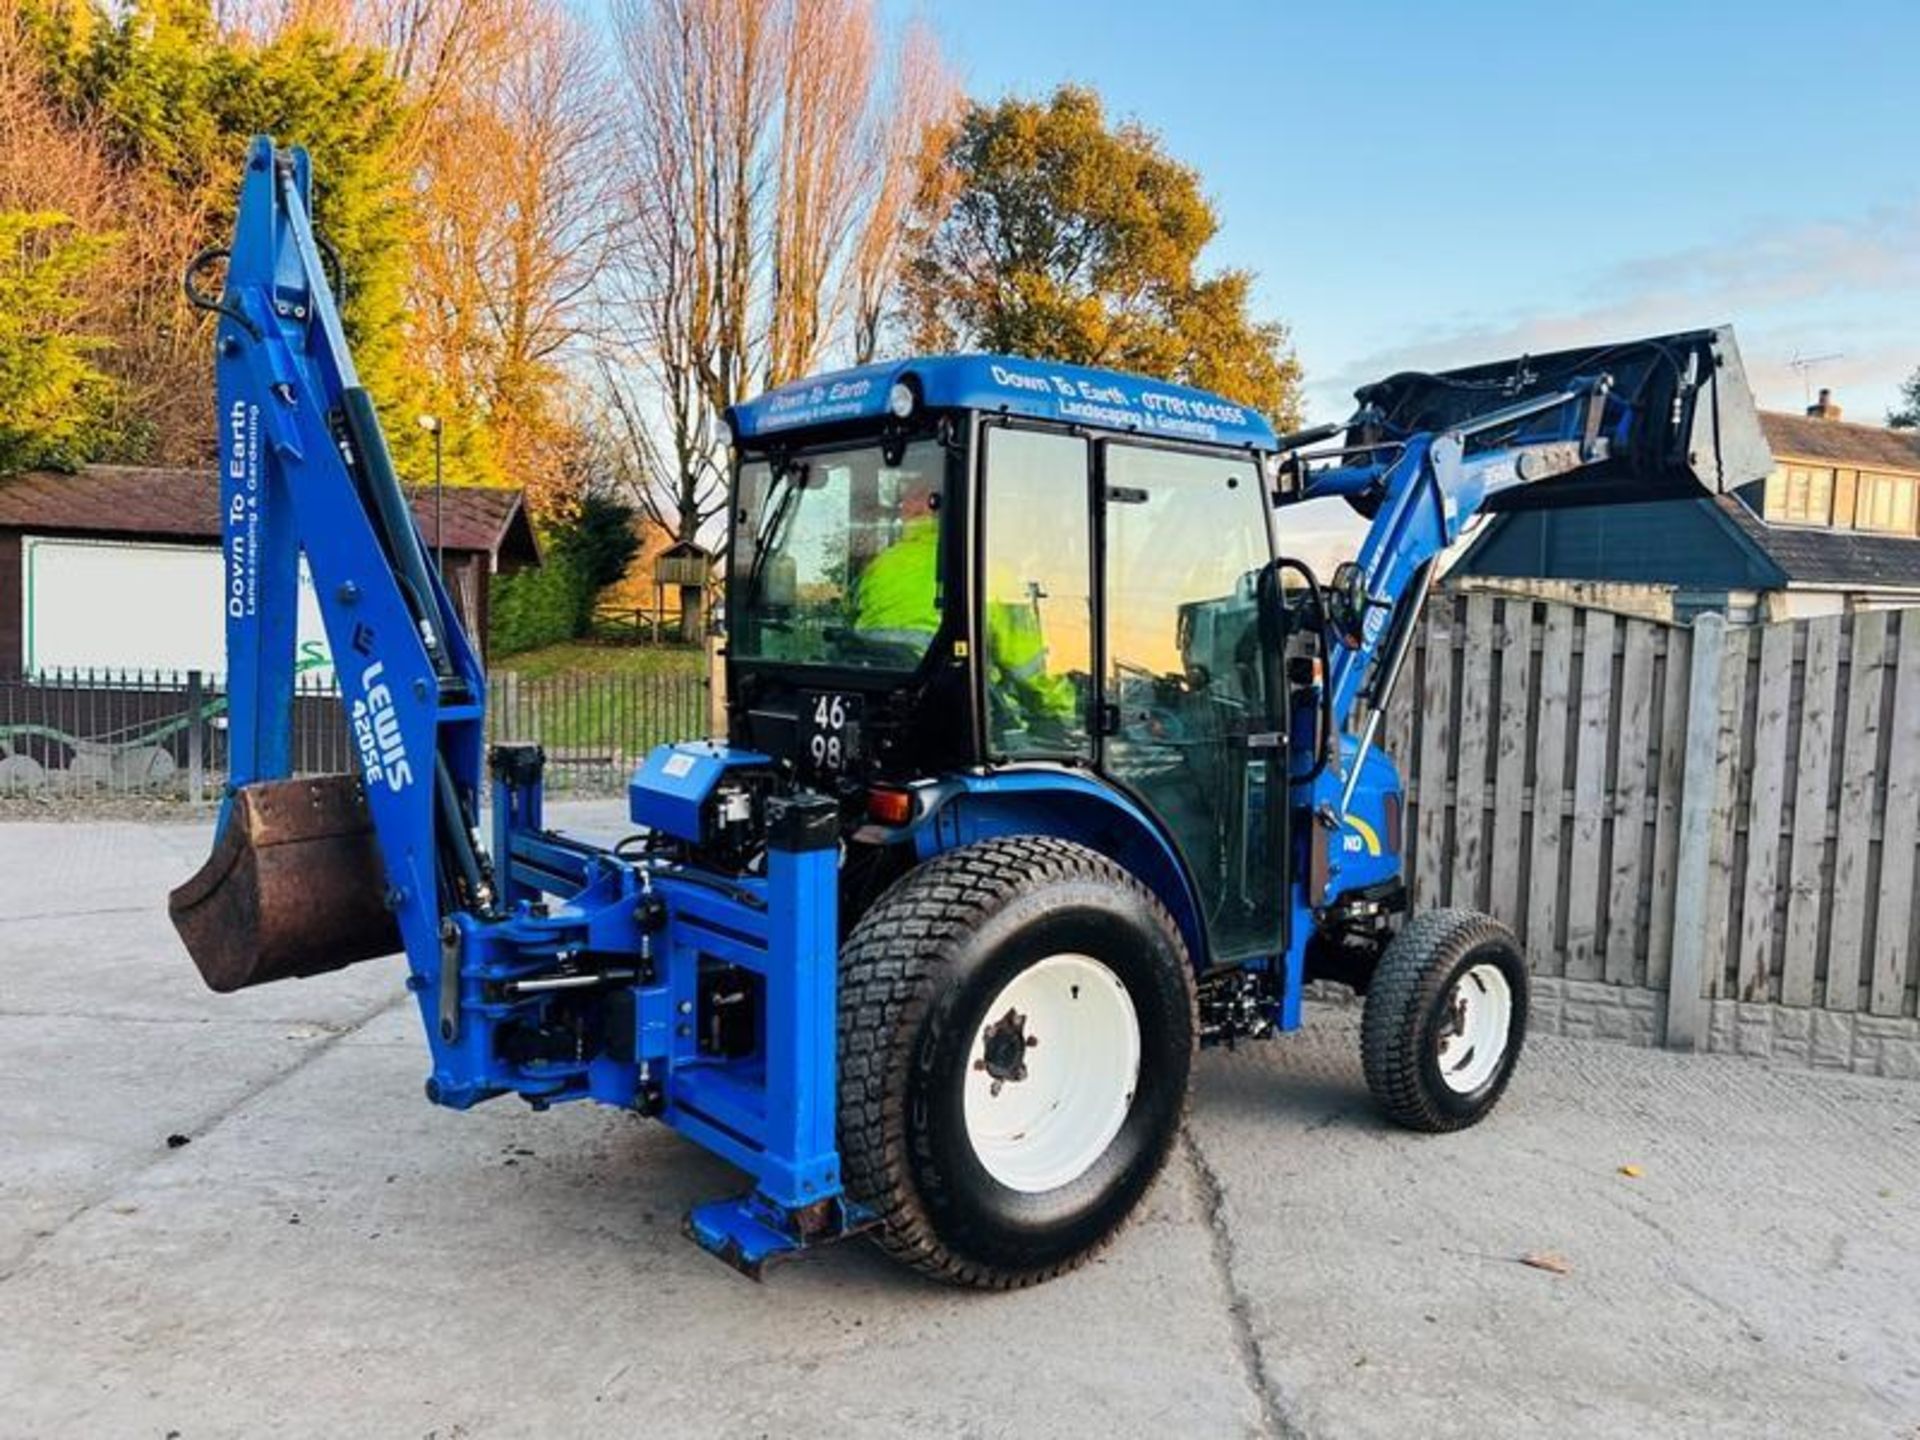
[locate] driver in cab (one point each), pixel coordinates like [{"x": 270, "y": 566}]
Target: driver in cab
[{"x": 897, "y": 600}]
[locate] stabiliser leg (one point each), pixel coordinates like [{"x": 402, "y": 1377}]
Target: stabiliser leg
[{"x": 798, "y": 1202}]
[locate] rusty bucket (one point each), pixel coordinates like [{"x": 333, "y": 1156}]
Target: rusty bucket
[{"x": 294, "y": 887}]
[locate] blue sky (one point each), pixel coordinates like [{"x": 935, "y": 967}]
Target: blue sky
[{"x": 1449, "y": 182}]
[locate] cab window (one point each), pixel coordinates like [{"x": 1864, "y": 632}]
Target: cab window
[
  {"x": 836, "y": 558},
  {"x": 1036, "y": 594}
]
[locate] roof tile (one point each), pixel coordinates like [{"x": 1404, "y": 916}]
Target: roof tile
[
  {"x": 1840, "y": 442},
  {"x": 1857, "y": 559}
]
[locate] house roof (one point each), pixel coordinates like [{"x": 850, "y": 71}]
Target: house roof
[
  {"x": 1694, "y": 543},
  {"x": 1840, "y": 442},
  {"x": 148, "y": 502},
  {"x": 1808, "y": 555}
]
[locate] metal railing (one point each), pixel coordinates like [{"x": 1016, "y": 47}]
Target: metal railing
[
  {"x": 595, "y": 728},
  {"x": 163, "y": 734}
]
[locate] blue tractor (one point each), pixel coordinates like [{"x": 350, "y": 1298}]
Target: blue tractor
[{"x": 1045, "y": 763}]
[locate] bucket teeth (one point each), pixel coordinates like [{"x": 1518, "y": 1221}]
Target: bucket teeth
[{"x": 294, "y": 887}]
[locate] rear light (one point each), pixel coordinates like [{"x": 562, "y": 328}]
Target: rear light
[{"x": 890, "y": 807}]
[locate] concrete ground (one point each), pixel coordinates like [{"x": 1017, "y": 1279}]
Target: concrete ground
[{"x": 329, "y": 1255}]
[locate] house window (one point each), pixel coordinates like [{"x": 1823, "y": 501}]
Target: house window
[
  {"x": 1888, "y": 502},
  {"x": 1799, "y": 495}
]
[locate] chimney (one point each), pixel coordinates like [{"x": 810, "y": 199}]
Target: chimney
[{"x": 1824, "y": 408}]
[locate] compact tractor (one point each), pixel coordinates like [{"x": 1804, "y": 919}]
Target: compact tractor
[{"x": 1044, "y": 764}]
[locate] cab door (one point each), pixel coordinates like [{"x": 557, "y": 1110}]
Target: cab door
[{"x": 1187, "y": 714}]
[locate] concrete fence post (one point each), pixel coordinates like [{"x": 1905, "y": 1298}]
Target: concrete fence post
[
  {"x": 196, "y": 737},
  {"x": 1692, "y": 874}
]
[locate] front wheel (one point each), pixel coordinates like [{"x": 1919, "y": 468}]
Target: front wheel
[
  {"x": 1446, "y": 1015},
  {"x": 1016, "y": 1034}
]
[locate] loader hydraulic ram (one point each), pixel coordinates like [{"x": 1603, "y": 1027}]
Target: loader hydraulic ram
[{"x": 1044, "y": 764}]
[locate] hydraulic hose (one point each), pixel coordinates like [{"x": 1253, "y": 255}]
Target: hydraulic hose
[{"x": 392, "y": 518}]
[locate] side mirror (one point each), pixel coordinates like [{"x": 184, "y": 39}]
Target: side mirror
[{"x": 1348, "y": 603}]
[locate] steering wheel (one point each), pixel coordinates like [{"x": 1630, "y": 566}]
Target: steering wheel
[{"x": 854, "y": 648}]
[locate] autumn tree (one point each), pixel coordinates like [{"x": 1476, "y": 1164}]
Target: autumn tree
[
  {"x": 504, "y": 134},
  {"x": 1054, "y": 234},
  {"x": 156, "y": 102},
  {"x": 52, "y": 396},
  {"x": 767, "y": 173}
]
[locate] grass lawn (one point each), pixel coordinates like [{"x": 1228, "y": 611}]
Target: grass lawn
[{"x": 582, "y": 657}]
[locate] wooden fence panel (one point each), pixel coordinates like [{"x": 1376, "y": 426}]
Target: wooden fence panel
[
  {"x": 1766, "y": 809},
  {"x": 1893, "y": 941},
  {"x": 1675, "y": 680},
  {"x": 1437, "y": 739},
  {"x": 1593, "y": 732},
  {"x": 1729, "y": 726},
  {"x": 1512, "y": 745},
  {"x": 1474, "y": 745},
  {"x": 1629, "y": 847},
  {"x": 1550, "y": 761},
  {"x": 1545, "y": 751},
  {"x": 1812, "y": 814},
  {"x": 1857, "y": 814}
]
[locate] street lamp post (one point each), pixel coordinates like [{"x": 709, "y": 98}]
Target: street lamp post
[{"x": 431, "y": 424}]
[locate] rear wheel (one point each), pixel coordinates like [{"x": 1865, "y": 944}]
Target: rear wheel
[
  {"x": 1016, "y": 1035},
  {"x": 1445, "y": 1018}
]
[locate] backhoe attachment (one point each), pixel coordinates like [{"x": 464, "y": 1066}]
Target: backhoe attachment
[{"x": 309, "y": 875}]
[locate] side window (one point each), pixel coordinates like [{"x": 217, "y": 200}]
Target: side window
[
  {"x": 1036, "y": 602},
  {"x": 1186, "y": 539}
]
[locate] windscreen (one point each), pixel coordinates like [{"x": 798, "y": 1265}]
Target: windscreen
[{"x": 836, "y": 558}]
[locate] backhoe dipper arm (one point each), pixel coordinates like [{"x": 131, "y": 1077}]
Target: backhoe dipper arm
[
  {"x": 1646, "y": 420},
  {"x": 305, "y": 470}
]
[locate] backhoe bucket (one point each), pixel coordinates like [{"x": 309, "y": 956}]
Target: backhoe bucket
[
  {"x": 1677, "y": 417},
  {"x": 294, "y": 887}
]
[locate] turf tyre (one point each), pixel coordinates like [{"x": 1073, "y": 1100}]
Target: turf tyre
[
  {"x": 1408, "y": 1007},
  {"x": 916, "y": 977}
]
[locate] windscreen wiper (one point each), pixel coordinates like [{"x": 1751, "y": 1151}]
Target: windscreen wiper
[{"x": 795, "y": 476}]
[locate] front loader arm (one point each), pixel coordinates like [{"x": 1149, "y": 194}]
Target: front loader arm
[{"x": 1426, "y": 454}]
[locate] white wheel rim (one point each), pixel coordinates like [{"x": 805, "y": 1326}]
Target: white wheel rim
[
  {"x": 1473, "y": 1032},
  {"x": 1039, "y": 1115}
]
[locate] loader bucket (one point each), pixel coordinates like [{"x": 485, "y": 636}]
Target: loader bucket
[
  {"x": 1679, "y": 418},
  {"x": 294, "y": 887}
]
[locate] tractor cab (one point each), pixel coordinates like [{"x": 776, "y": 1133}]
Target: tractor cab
[{"x": 984, "y": 565}]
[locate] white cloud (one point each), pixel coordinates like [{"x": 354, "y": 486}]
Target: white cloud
[{"x": 1790, "y": 291}]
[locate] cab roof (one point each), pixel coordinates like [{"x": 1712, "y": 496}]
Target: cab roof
[{"x": 1006, "y": 385}]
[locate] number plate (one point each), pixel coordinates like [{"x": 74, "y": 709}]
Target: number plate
[{"x": 829, "y": 729}]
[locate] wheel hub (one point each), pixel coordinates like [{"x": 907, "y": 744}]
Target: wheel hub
[
  {"x": 1004, "y": 1045},
  {"x": 1039, "y": 1116},
  {"x": 1471, "y": 1039}
]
